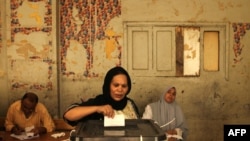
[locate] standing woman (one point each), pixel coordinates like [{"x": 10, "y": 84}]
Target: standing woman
[
  {"x": 168, "y": 114},
  {"x": 116, "y": 87}
]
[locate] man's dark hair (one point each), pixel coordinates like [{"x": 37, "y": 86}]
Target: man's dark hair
[{"x": 32, "y": 97}]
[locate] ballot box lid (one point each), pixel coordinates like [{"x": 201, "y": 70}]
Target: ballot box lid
[{"x": 134, "y": 130}]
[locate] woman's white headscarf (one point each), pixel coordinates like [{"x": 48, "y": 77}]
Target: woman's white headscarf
[{"x": 168, "y": 115}]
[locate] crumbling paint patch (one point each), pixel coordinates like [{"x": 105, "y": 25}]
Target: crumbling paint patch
[
  {"x": 191, "y": 50},
  {"x": 75, "y": 52},
  {"x": 35, "y": 45},
  {"x": 111, "y": 42},
  {"x": 86, "y": 22},
  {"x": 33, "y": 74},
  {"x": 240, "y": 30},
  {"x": 29, "y": 46},
  {"x": 31, "y": 13}
]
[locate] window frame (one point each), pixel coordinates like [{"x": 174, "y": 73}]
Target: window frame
[{"x": 222, "y": 28}]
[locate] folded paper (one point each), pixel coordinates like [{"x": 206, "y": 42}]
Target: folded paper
[{"x": 118, "y": 120}]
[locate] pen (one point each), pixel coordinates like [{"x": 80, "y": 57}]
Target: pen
[{"x": 168, "y": 123}]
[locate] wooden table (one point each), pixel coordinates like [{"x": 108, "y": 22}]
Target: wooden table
[{"x": 5, "y": 136}]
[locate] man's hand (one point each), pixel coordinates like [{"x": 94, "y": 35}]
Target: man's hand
[{"x": 17, "y": 130}]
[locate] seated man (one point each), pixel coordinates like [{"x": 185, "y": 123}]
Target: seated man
[{"x": 26, "y": 113}]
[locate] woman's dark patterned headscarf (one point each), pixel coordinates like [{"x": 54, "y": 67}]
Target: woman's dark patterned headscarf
[
  {"x": 105, "y": 98},
  {"x": 118, "y": 105}
]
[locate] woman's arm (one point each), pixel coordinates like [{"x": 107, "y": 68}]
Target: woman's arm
[{"x": 80, "y": 112}]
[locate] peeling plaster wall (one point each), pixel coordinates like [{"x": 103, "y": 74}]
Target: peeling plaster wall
[
  {"x": 208, "y": 101},
  {"x": 28, "y": 52}
]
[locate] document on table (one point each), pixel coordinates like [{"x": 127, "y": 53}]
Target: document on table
[
  {"x": 24, "y": 136},
  {"x": 118, "y": 120}
]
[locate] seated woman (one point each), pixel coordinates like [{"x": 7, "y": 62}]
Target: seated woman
[
  {"x": 116, "y": 87},
  {"x": 168, "y": 114}
]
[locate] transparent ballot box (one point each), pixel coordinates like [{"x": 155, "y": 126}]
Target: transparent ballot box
[{"x": 134, "y": 130}]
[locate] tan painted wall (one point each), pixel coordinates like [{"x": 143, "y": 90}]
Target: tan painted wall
[{"x": 208, "y": 101}]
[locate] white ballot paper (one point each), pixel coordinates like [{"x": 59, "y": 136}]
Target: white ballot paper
[
  {"x": 118, "y": 120},
  {"x": 26, "y": 135}
]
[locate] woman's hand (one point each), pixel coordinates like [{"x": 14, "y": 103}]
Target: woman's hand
[
  {"x": 106, "y": 110},
  {"x": 172, "y": 132}
]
